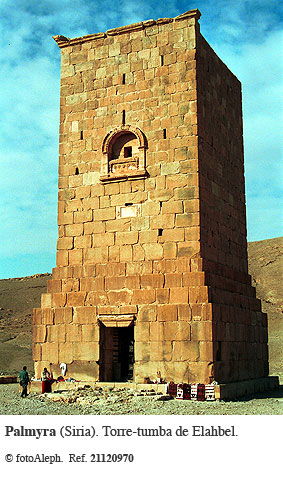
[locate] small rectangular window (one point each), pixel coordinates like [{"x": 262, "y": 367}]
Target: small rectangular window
[
  {"x": 128, "y": 152},
  {"x": 124, "y": 79}
]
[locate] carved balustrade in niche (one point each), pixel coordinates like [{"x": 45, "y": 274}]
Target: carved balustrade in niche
[{"x": 123, "y": 151}]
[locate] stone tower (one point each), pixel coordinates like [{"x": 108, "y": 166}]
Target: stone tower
[{"x": 151, "y": 271}]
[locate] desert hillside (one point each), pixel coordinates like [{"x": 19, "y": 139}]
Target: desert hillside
[
  {"x": 266, "y": 269},
  {"x": 20, "y": 295}
]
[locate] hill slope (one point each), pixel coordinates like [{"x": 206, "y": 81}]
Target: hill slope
[
  {"x": 266, "y": 269},
  {"x": 19, "y": 296}
]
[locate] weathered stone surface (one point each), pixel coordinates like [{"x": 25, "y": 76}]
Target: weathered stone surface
[
  {"x": 84, "y": 315},
  {"x": 151, "y": 214}
]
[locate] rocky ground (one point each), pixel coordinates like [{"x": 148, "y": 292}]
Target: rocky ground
[{"x": 98, "y": 401}]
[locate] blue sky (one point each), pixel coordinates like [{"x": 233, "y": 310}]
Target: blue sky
[{"x": 247, "y": 36}]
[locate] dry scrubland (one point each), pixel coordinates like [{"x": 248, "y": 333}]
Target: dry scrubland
[{"x": 19, "y": 296}]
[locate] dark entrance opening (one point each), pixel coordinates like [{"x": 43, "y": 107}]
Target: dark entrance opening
[{"x": 117, "y": 353}]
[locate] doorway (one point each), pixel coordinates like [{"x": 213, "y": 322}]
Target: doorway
[{"x": 117, "y": 353}]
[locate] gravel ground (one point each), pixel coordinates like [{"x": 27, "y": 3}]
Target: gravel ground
[{"x": 87, "y": 401}]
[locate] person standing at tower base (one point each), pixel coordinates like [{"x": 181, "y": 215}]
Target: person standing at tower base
[{"x": 24, "y": 381}]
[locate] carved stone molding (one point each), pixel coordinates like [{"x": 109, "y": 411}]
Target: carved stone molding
[
  {"x": 116, "y": 320},
  {"x": 131, "y": 165}
]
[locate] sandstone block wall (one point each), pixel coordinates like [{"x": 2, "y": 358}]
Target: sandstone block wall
[
  {"x": 151, "y": 213},
  {"x": 239, "y": 327}
]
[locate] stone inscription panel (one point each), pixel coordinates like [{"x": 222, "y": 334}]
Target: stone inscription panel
[{"x": 128, "y": 211}]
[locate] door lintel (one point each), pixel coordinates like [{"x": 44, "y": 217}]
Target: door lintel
[{"x": 116, "y": 320}]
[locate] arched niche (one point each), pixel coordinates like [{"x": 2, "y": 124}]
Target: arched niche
[{"x": 123, "y": 152}]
